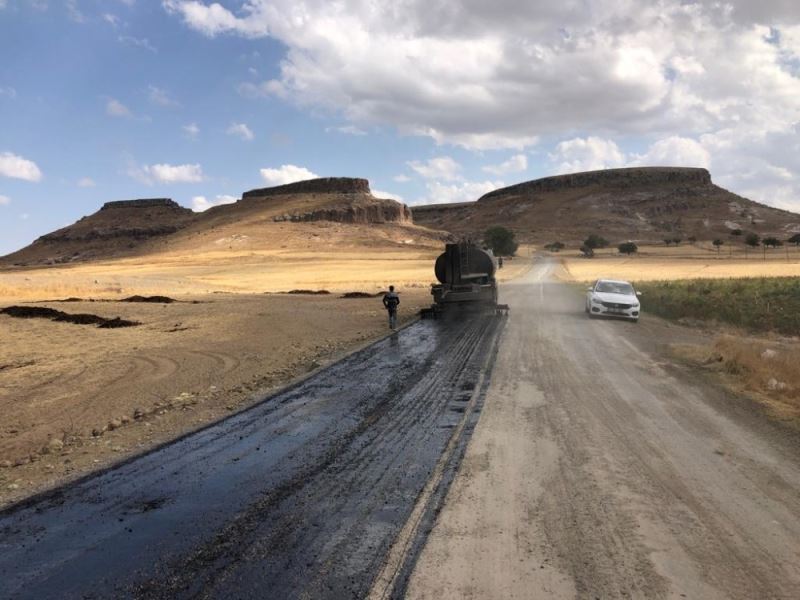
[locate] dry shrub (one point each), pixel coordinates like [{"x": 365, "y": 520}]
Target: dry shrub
[{"x": 768, "y": 368}]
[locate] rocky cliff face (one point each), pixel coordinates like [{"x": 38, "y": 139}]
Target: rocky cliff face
[
  {"x": 323, "y": 185},
  {"x": 609, "y": 179},
  {"x": 339, "y": 199},
  {"x": 378, "y": 211},
  {"x": 145, "y": 203}
]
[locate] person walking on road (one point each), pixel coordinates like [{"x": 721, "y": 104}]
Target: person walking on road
[{"x": 391, "y": 301}]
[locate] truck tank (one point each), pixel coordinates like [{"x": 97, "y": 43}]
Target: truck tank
[{"x": 466, "y": 275}]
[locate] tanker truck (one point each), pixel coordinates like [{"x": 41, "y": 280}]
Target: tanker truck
[{"x": 466, "y": 281}]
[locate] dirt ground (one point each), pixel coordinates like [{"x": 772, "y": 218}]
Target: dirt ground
[
  {"x": 189, "y": 362},
  {"x": 600, "y": 469}
]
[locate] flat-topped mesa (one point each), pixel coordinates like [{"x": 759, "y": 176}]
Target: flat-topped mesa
[
  {"x": 619, "y": 178},
  {"x": 143, "y": 203},
  {"x": 323, "y": 185}
]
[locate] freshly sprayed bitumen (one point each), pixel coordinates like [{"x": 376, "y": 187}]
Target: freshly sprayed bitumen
[{"x": 301, "y": 495}]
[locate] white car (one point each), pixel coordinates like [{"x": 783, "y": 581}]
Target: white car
[{"x": 610, "y": 298}]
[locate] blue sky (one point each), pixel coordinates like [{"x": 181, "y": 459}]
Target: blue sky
[{"x": 432, "y": 101}]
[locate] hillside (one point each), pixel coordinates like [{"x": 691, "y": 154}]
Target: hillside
[
  {"x": 647, "y": 204},
  {"x": 329, "y": 212}
]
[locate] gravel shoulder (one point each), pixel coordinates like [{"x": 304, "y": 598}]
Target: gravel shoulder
[{"x": 600, "y": 468}]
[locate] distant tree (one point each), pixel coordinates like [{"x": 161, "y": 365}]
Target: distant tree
[
  {"x": 717, "y": 243},
  {"x": 752, "y": 240},
  {"x": 587, "y": 252},
  {"x": 668, "y": 241},
  {"x": 795, "y": 239},
  {"x": 772, "y": 242},
  {"x": 628, "y": 248},
  {"x": 736, "y": 232},
  {"x": 554, "y": 247},
  {"x": 595, "y": 241},
  {"x": 501, "y": 241},
  {"x": 692, "y": 239},
  {"x": 677, "y": 240}
]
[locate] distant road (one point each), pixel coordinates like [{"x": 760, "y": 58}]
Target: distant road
[
  {"x": 601, "y": 470},
  {"x": 298, "y": 497}
]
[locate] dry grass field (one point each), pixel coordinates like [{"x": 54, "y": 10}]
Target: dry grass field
[{"x": 702, "y": 261}]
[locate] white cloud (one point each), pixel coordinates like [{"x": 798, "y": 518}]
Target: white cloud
[
  {"x": 166, "y": 173},
  {"x": 401, "y": 178},
  {"x": 115, "y": 108},
  {"x": 440, "y": 167},
  {"x": 8, "y": 92},
  {"x": 675, "y": 151},
  {"x": 389, "y": 195},
  {"x": 4, "y": 200},
  {"x": 191, "y": 130},
  {"x": 74, "y": 12},
  {"x": 442, "y": 193},
  {"x": 497, "y": 75},
  {"x": 86, "y": 182},
  {"x": 144, "y": 43},
  {"x": 347, "y": 130},
  {"x": 242, "y": 131},
  {"x": 24, "y": 216},
  {"x": 112, "y": 20},
  {"x": 587, "y": 154},
  {"x": 286, "y": 174},
  {"x": 215, "y": 19},
  {"x": 160, "y": 97},
  {"x": 18, "y": 167},
  {"x": 515, "y": 164},
  {"x": 201, "y": 203},
  {"x": 265, "y": 89}
]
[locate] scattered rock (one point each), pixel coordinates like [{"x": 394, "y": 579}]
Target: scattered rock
[
  {"x": 138, "y": 413},
  {"x": 54, "y": 445},
  {"x": 125, "y": 419},
  {"x": 775, "y": 385},
  {"x": 5, "y": 464},
  {"x": 769, "y": 354},
  {"x": 13, "y": 486},
  {"x": 97, "y": 432},
  {"x": 22, "y": 461},
  {"x": 309, "y": 292},
  {"x": 114, "y": 424}
]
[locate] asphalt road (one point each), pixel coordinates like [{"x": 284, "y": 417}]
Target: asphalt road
[
  {"x": 300, "y": 496},
  {"x": 601, "y": 469}
]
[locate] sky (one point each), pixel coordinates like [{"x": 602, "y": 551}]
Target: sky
[{"x": 431, "y": 100}]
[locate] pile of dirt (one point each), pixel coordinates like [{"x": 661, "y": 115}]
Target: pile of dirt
[
  {"x": 41, "y": 312},
  {"x": 362, "y": 295},
  {"x": 643, "y": 204},
  {"x": 151, "y": 299}
]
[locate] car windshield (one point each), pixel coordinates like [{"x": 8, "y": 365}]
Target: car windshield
[{"x": 614, "y": 287}]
